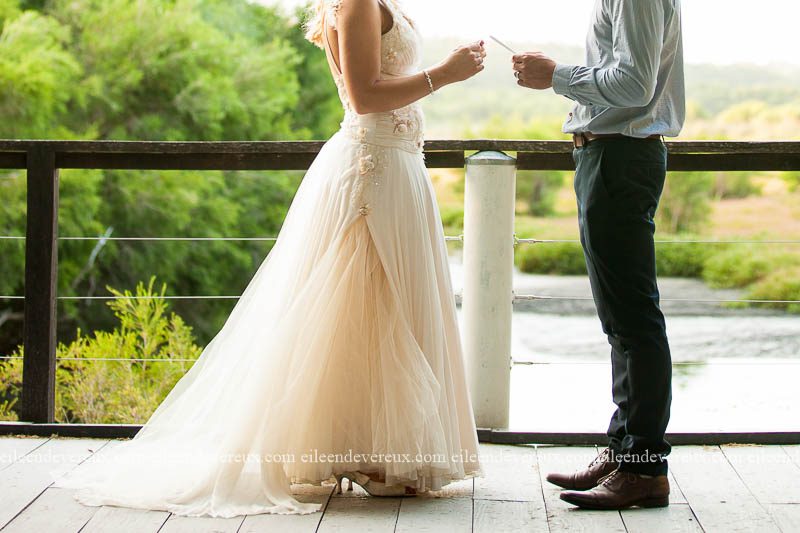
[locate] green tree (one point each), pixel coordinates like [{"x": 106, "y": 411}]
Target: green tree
[
  {"x": 154, "y": 70},
  {"x": 39, "y": 76},
  {"x": 158, "y": 70}
]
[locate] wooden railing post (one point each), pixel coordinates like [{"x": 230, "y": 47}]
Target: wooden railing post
[{"x": 41, "y": 275}]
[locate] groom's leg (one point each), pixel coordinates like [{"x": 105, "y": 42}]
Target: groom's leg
[
  {"x": 584, "y": 181},
  {"x": 619, "y": 393},
  {"x": 618, "y": 184}
]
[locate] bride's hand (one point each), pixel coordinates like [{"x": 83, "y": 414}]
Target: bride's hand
[{"x": 464, "y": 62}]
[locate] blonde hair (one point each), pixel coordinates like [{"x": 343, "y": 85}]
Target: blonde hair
[{"x": 315, "y": 23}]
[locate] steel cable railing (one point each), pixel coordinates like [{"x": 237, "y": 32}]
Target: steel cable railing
[
  {"x": 450, "y": 238},
  {"x": 43, "y": 159},
  {"x": 521, "y": 363},
  {"x": 517, "y": 298}
]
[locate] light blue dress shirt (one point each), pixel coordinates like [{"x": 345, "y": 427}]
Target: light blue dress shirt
[{"x": 633, "y": 82}]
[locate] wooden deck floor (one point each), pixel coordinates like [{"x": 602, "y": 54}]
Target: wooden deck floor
[{"x": 724, "y": 489}]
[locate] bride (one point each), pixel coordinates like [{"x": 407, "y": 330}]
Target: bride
[{"x": 342, "y": 357}]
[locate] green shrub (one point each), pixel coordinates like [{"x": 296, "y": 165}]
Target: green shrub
[
  {"x": 782, "y": 284},
  {"x": 129, "y": 388},
  {"x": 735, "y": 267},
  {"x": 675, "y": 260},
  {"x": 10, "y": 387},
  {"x": 452, "y": 218},
  {"x": 551, "y": 258},
  {"x": 681, "y": 260}
]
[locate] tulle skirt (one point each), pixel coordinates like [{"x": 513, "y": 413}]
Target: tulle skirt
[{"x": 342, "y": 354}]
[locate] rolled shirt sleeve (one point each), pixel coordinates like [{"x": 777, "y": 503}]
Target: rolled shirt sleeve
[{"x": 630, "y": 78}]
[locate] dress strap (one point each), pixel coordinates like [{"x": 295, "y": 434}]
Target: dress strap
[{"x": 328, "y": 48}]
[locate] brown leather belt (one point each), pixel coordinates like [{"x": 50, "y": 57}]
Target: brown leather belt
[{"x": 582, "y": 139}]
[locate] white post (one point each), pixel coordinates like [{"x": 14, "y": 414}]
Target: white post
[{"x": 487, "y": 302}]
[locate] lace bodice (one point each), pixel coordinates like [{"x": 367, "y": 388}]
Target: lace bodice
[
  {"x": 377, "y": 133},
  {"x": 400, "y": 56}
]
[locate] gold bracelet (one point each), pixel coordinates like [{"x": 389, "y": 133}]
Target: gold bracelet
[{"x": 430, "y": 81}]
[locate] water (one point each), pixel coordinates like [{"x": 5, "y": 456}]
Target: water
[{"x": 734, "y": 369}]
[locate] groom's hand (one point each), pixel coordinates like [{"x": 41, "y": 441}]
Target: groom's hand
[{"x": 534, "y": 70}]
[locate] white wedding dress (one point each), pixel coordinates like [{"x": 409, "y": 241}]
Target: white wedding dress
[{"x": 344, "y": 342}]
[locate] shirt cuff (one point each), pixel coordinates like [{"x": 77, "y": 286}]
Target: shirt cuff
[{"x": 561, "y": 78}]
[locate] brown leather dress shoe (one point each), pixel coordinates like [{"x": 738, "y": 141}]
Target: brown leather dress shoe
[
  {"x": 620, "y": 490},
  {"x": 589, "y": 477}
]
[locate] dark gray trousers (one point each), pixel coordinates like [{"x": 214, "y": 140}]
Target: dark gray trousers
[{"x": 618, "y": 183}]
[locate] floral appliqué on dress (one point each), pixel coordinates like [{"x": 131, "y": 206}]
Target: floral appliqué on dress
[
  {"x": 400, "y": 53},
  {"x": 372, "y": 162}
]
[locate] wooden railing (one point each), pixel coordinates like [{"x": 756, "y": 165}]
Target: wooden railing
[{"x": 43, "y": 159}]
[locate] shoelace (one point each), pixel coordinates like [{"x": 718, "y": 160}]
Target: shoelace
[
  {"x": 608, "y": 477},
  {"x": 602, "y": 458}
]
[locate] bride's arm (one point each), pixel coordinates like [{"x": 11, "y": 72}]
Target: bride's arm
[{"x": 359, "y": 39}]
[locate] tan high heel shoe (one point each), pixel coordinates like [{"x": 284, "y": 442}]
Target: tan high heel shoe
[{"x": 372, "y": 487}]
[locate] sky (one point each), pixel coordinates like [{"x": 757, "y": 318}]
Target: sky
[{"x": 715, "y": 31}]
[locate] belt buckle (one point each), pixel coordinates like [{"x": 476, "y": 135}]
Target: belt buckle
[{"x": 579, "y": 140}]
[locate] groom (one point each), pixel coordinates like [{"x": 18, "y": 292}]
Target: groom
[{"x": 630, "y": 94}]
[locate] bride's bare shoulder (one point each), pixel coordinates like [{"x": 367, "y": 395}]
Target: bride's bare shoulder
[{"x": 352, "y": 6}]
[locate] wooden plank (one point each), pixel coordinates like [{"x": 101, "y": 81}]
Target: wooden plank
[
  {"x": 768, "y": 472},
  {"x": 677, "y": 162},
  {"x": 113, "y": 518},
  {"x": 165, "y": 147},
  {"x": 561, "y": 515},
  {"x": 291, "y": 523},
  {"x": 673, "y": 519},
  {"x": 545, "y": 161},
  {"x": 37, "y": 403},
  {"x": 13, "y": 449},
  {"x": 601, "y": 439},
  {"x": 716, "y": 494},
  {"x": 223, "y": 161},
  {"x": 463, "y": 488},
  {"x": 484, "y": 435},
  {"x": 201, "y": 524},
  {"x": 431, "y": 514},
  {"x": 678, "y": 517},
  {"x": 121, "y": 519},
  {"x": 511, "y": 145},
  {"x": 731, "y": 147},
  {"x": 297, "y": 155},
  {"x": 106, "y": 431},
  {"x": 191, "y": 161},
  {"x": 13, "y": 160},
  {"x": 733, "y": 162},
  {"x": 787, "y": 516},
  {"x": 449, "y": 159},
  {"x": 25, "y": 480},
  {"x": 491, "y": 516},
  {"x": 53, "y": 511},
  {"x": 125, "y": 520},
  {"x": 511, "y": 474},
  {"x": 676, "y": 495},
  {"x": 794, "y": 453},
  {"x": 354, "y": 511}
]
